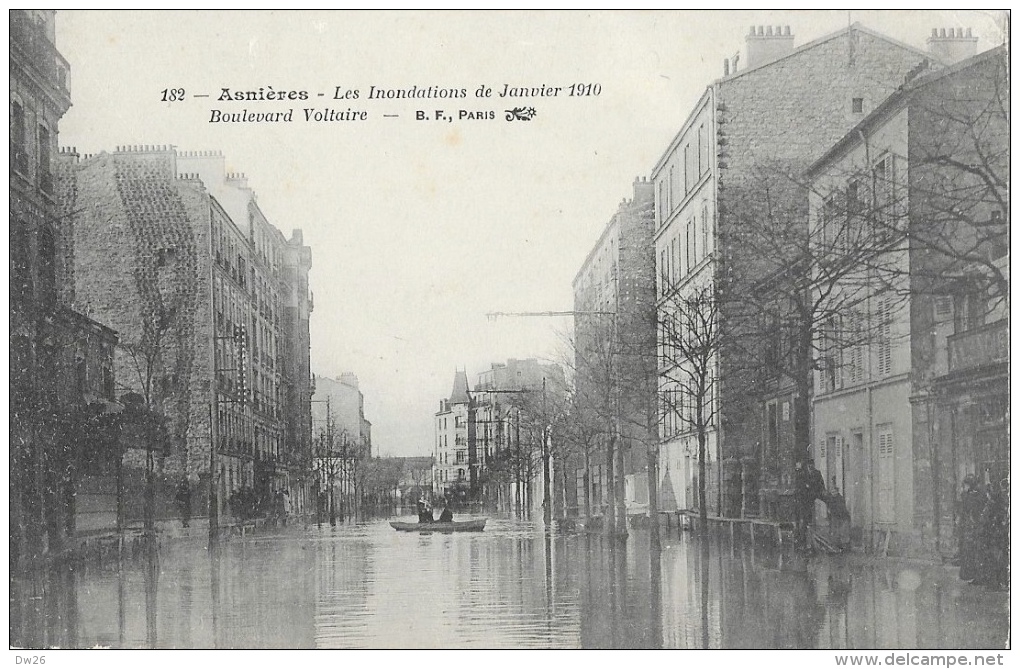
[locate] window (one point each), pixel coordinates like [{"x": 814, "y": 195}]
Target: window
[
  {"x": 704, "y": 230},
  {"x": 47, "y": 268},
  {"x": 830, "y": 222},
  {"x": 663, "y": 271},
  {"x": 702, "y": 150},
  {"x": 857, "y": 105},
  {"x": 671, "y": 193},
  {"x": 688, "y": 172},
  {"x": 675, "y": 252},
  {"x": 81, "y": 376},
  {"x": 855, "y": 358},
  {"x": 662, "y": 202},
  {"x": 886, "y": 473},
  {"x": 691, "y": 246},
  {"x": 21, "y": 274},
  {"x": 884, "y": 175},
  {"x": 883, "y": 331},
  {"x": 45, "y": 174},
  {"x": 19, "y": 155},
  {"x": 108, "y": 383}
]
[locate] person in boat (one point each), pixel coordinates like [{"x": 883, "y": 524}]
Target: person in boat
[
  {"x": 447, "y": 515},
  {"x": 424, "y": 512}
]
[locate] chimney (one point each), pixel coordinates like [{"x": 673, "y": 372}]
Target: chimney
[
  {"x": 765, "y": 43},
  {"x": 951, "y": 45}
]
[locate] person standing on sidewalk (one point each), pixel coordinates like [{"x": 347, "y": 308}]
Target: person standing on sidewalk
[
  {"x": 183, "y": 498},
  {"x": 972, "y": 503},
  {"x": 809, "y": 486}
]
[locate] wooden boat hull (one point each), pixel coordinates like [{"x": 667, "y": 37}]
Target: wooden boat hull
[{"x": 455, "y": 526}]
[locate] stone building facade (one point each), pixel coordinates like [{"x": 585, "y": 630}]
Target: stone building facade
[
  {"x": 342, "y": 402},
  {"x": 451, "y": 471},
  {"x": 775, "y": 117},
  {"x": 62, "y": 408},
  {"x": 614, "y": 333},
  {"x": 506, "y": 461},
  {"x": 176, "y": 255},
  {"x": 906, "y": 415}
]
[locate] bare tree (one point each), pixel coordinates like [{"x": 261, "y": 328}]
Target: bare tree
[
  {"x": 328, "y": 462},
  {"x": 692, "y": 338}
]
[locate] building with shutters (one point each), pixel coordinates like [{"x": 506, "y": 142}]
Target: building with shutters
[
  {"x": 773, "y": 112},
  {"x": 175, "y": 253},
  {"x": 62, "y": 409},
  {"x": 901, "y": 416}
]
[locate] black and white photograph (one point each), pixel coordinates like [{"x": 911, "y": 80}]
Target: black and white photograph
[{"x": 502, "y": 330}]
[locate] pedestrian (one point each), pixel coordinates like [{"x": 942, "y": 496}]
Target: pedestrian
[
  {"x": 447, "y": 515},
  {"x": 969, "y": 508},
  {"x": 993, "y": 571},
  {"x": 286, "y": 506},
  {"x": 424, "y": 511},
  {"x": 839, "y": 517},
  {"x": 809, "y": 486},
  {"x": 183, "y": 498}
]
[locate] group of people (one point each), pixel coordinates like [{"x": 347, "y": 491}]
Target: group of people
[
  {"x": 427, "y": 515},
  {"x": 246, "y": 504},
  {"x": 983, "y": 532},
  {"x": 809, "y": 486}
]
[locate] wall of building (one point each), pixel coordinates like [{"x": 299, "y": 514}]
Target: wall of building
[{"x": 777, "y": 119}]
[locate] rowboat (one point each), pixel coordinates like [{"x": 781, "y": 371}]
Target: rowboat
[{"x": 455, "y": 526}]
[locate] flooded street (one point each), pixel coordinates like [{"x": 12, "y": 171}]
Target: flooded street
[{"x": 512, "y": 586}]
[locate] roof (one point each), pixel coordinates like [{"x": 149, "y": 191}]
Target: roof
[
  {"x": 822, "y": 40},
  {"x": 794, "y": 52},
  {"x": 460, "y": 394},
  {"x": 894, "y": 103}
]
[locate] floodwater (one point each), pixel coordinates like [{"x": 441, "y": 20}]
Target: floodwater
[{"x": 512, "y": 586}]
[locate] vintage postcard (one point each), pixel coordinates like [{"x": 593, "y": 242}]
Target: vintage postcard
[{"x": 506, "y": 330}]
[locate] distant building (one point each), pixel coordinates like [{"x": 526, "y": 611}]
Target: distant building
[
  {"x": 341, "y": 401},
  {"x": 510, "y": 404},
  {"x": 176, "y": 255},
  {"x": 776, "y": 113},
  {"x": 451, "y": 471},
  {"x": 902, "y": 418},
  {"x": 62, "y": 411},
  {"x": 614, "y": 348}
]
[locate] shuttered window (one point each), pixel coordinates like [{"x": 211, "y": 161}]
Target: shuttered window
[{"x": 886, "y": 474}]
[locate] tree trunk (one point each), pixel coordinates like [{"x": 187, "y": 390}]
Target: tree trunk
[
  {"x": 621, "y": 490},
  {"x": 702, "y": 498},
  {"x": 546, "y": 479},
  {"x": 804, "y": 381},
  {"x": 150, "y": 493},
  {"x": 587, "y": 484},
  {"x": 564, "y": 468},
  {"x": 610, "y": 516},
  {"x": 653, "y": 489}
]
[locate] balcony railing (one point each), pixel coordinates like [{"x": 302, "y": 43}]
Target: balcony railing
[
  {"x": 31, "y": 40},
  {"x": 981, "y": 346}
]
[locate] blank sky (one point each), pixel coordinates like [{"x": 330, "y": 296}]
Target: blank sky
[{"x": 418, "y": 229}]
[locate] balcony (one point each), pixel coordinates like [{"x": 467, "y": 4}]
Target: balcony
[
  {"x": 981, "y": 346},
  {"x": 37, "y": 51}
]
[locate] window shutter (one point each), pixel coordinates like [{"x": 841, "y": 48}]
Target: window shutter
[{"x": 886, "y": 477}]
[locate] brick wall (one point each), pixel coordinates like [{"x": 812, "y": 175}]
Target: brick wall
[
  {"x": 776, "y": 120},
  {"x": 139, "y": 270}
]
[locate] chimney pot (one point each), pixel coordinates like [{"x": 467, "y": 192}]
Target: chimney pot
[
  {"x": 768, "y": 30},
  {"x": 934, "y": 32}
]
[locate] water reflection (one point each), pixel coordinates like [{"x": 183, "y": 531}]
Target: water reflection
[{"x": 515, "y": 585}]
